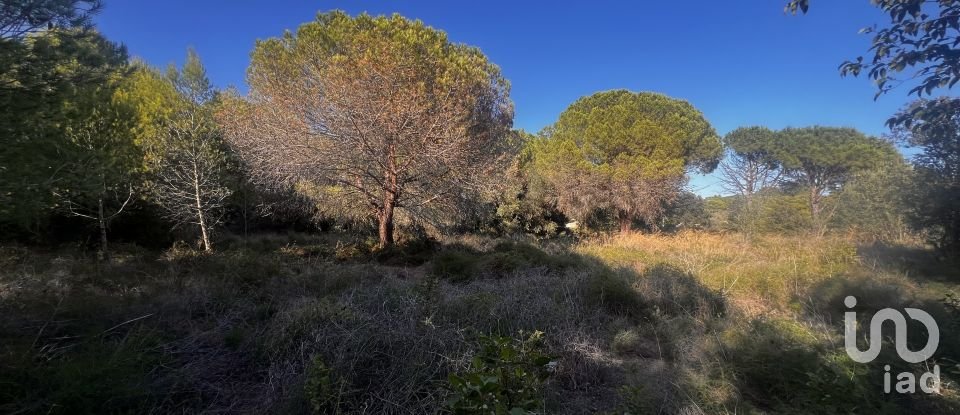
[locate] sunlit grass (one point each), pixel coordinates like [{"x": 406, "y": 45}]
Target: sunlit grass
[{"x": 767, "y": 267}]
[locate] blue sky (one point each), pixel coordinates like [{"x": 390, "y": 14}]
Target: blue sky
[{"x": 741, "y": 62}]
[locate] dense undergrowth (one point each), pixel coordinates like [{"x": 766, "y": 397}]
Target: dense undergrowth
[{"x": 689, "y": 323}]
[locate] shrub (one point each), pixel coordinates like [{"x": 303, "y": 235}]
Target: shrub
[
  {"x": 612, "y": 292},
  {"x": 784, "y": 364},
  {"x": 454, "y": 265},
  {"x": 410, "y": 252},
  {"x": 323, "y": 390},
  {"x": 510, "y": 256},
  {"x": 784, "y": 213},
  {"x": 350, "y": 251},
  {"x": 505, "y": 377},
  {"x": 677, "y": 292}
]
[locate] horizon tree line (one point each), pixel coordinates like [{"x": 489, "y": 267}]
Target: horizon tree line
[{"x": 384, "y": 120}]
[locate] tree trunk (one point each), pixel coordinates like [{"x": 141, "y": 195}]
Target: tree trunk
[
  {"x": 386, "y": 226},
  {"x": 200, "y": 219},
  {"x": 815, "y": 209},
  {"x": 625, "y": 222},
  {"x": 385, "y": 216},
  {"x": 203, "y": 232},
  {"x": 102, "y": 222},
  {"x": 391, "y": 192}
]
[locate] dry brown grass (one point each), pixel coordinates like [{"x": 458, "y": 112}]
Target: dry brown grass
[
  {"x": 687, "y": 323},
  {"x": 762, "y": 272}
]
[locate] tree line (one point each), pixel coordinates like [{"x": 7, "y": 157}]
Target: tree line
[{"x": 374, "y": 123}]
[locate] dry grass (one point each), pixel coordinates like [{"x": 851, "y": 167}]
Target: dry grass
[
  {"x": 763, "y": 272},
  {"x": 688, "y": 323}
]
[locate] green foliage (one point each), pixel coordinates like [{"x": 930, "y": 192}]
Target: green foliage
[
  {"x": 688, "y": 211},
  {"x": 623, "y": 152},
  {"x": 753, "y": 143},
  {"x": 191, "y": 80},
  {"x": 919, "y": 36},
  {"x": 934, "y": 194},
  {"x": 874, "y": 201},
  {"x": 822, "y": 159},
  {"x": 189, "y": 164},
  {"x": 523, "y": 206},
  {"x": 323, "y": 389},
  {"x": 785, "y": 365},
  {"x": 56, "y": 106},
  {"x": 719, "y": 209},
  {"x": 426, "y": 115},
  {"x": 22, "y": 17},
  {"x": 782, "y": 212},
  {"x": 97, "y": 374},
  {"x": 414, "y": 251},
  {"x": 749, "y": 168},
  {"x": 455, "y": 265},
  {"x": 827, "y": 155},
  {"x": 155, "y": 100},
  {"x": 505, "y": 377}
]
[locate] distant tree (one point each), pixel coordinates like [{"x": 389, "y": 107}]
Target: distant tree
[
  {"x": 923, "y": 38},
  {"x": 93, "y": 139},
  {"x": 99, "y": 168},
  {"x": 875, "y": 201},
  {"x": 49, "y": 82},
  {"x": 750, "y": 165},
  {"x": 522, "y": 205},
  {"x": 191, "y": 80},
  {"x": 190, "y": 177},
  {"x": 186, "y": 165},
  {"x": 822, "y": 159},
  {"x": 624, "y": 153},
  {"x": 372, "y": 114},
  {"x": 784, "y": 212},
  {"x": 21, "y": 17},
  {"x": 934, "y": 128},
  {"x": 687, "y": 211}
]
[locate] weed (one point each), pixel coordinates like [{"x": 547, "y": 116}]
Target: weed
[
  {"x": 323, "y": 389},
  {"x": 505, "y": 377}
]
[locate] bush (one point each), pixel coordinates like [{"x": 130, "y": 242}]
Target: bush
[
  {"x": 785, "y": 365},
  {"x": 612, "y": 292},
  {"x": 784, "y": 213},
  {"x": 505, "y": 377},
  {"x": 455, "y": 265},
  {"x": 410, "y": 252},
  {"x": 676, "y": 292},
  {"x": 322, "y": 388}
]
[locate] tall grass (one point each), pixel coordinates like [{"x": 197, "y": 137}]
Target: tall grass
[{"x": 686, "y": 323}]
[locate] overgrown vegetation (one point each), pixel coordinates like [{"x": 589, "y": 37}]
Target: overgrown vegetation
[
  {"x": 693, "y": 323},
  {"x": 363, "y": 232}
]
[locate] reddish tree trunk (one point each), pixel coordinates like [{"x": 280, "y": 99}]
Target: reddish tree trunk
[
  {"x": 625, "y": 222},
  {"x": 386, "y": 226},
  {"x": 390, "y": 195}
]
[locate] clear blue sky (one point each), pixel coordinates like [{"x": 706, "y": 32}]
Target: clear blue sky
[{"x": 741, "y": 62}]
